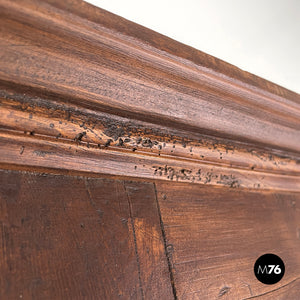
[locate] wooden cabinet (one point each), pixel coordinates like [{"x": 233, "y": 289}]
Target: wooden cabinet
[{"x": 135, "y": 167}]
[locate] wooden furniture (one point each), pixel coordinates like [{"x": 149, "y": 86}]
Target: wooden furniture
[{"x": 135, "y": 167}]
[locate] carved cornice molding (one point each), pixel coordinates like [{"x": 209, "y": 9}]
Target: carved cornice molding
[{"x": 84, "y": 90}]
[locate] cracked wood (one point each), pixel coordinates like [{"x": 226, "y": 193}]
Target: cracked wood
[
  {"x": 67, "y": 237},
  {"x": 216, "y": 235}
]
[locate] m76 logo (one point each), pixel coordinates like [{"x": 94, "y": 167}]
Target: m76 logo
[
  {"x": 272, "y": 269},
  {"x": 269, "y": 268}
]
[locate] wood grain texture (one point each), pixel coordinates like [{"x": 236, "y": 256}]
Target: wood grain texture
[
  {"x": 75, "y": 85},
  {"x": 189, "y": 167},
  {"x": 288, "y": 291},
  {"x": 149, "y": 37},
  {"x": 36, "y": 132},
  {"x": 215, "y": 236},
  {"x": 154, "y": 272},
  {"x": 68, "y": 237},
  {"x": 51, "y": 48}
]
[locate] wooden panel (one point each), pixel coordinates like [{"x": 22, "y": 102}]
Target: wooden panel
[
  {"x": 154, "y": 273},
  {"x": 215, "y": 236},
  {"x": 68, "y": 237}
]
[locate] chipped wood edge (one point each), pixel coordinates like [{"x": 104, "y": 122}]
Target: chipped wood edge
[{"x": 61, "y": 137}]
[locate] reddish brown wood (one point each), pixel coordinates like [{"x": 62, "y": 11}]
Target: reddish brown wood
[
  {"x": 150, "y": 247},
  {"x": 68, "y": 237},
  {"x": 100, "y": 118},
  {"x": 289, "y": 291},
  {"x": 216, "y": 235},
  {"x": 69, "y": 81},
  {"x": 60, "y": 53},
  {"x": 28, "y": 151}
]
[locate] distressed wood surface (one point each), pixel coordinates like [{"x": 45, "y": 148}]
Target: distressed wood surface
[
  {"x": 289, "y": 291},
  {"x": 136, "y": 167},
  {"x": 78, "y": 237},
  {"x": 73, "y": 87},
  {"x": 36, "y": 132},
  {"x": 56, "y": 49},
  {"x": 68, "y": 237},
  {"x": 215, "y": 236}
]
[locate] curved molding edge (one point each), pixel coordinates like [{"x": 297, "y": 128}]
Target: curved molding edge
[{"x": 77, "y": 93}]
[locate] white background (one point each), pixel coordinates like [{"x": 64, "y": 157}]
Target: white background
[{"x": 259, "y": 36}]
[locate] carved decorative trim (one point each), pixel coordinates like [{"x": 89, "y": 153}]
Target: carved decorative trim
[{"x": 84, "y": 90}]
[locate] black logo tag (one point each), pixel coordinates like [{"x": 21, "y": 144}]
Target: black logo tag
[{"x": 269, "y": 268}]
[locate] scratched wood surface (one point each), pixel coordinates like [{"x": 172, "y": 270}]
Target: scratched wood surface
[
  {"x": 83, "y": 90},
  {"x": 75, "y": 53},
  {"x": 136, "y": 167},
  {"x": 216, "y": 235},
  {"x": 43, "y": 133},
  {"x": 77, "y": 238}
]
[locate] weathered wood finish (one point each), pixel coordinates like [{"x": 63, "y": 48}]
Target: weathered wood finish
[
  {"x": 215, "y": 235},
  {"x": 79, "y": 237},
  {"x": 135, "y": 167},
  {"x": 69, "y": 79},
  {"x": 54, "y": 136},
  {"x": 73, "y": 238}
]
